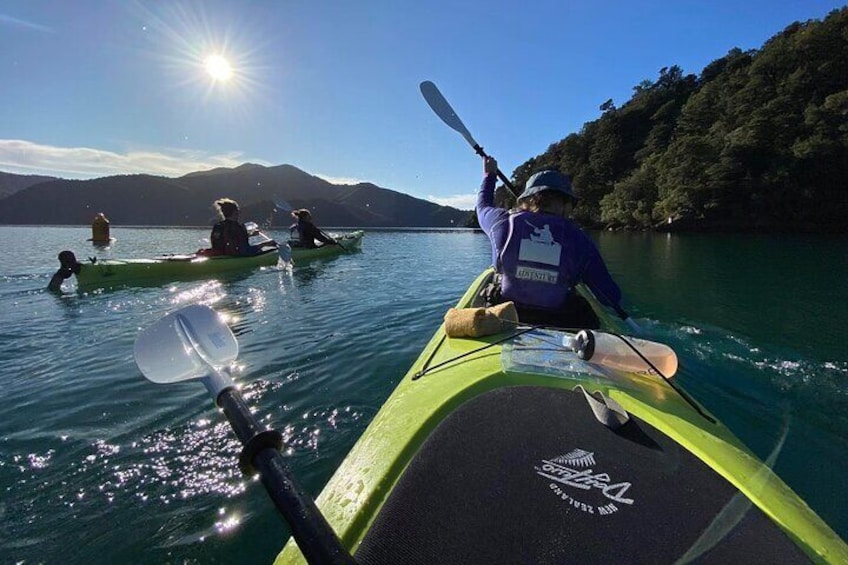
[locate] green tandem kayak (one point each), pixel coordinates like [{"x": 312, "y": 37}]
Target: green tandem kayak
[
  {"x": 489, "y": 451},
  {"x": 346, "y": 243},
  {"x": 113, "y": 272}
]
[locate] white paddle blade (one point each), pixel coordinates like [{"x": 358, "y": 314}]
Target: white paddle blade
[
  {"x": 285, "y": 253},
  {"x": 283, "y": 205},
  {"x": 444, "y": 110},
  {"x": 187, "y": 344},
  {"x": 251, "y": 228}
]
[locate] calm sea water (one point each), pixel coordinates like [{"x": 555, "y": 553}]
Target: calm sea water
[{"x": 99, "y": 465}]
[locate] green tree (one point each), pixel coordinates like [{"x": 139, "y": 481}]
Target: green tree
[{"x": 759, "y": 140}]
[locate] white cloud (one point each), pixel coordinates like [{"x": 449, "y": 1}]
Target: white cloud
[
  {"x": 25, "y": 157},
  {"x": 9, "y": 20},
  {"x": 340, "y": 180},
  {"x": 460, "y": 201},
  {"x": 28, "y": 158}
]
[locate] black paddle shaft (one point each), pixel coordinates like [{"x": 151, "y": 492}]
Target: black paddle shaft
[
  {"x": 314, "y": 536},
  {"x": 481, "y": 153},
  {"x": 336, "y": 241}
]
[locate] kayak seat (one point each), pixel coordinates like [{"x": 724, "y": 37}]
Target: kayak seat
[
  {"x": 528, "y": 475},
  {"x": 576, "y": 313}
]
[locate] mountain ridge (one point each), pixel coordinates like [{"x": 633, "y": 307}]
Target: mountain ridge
[
  {"x": 143, "y": 199},
  {"x": 11, "y": 183}
]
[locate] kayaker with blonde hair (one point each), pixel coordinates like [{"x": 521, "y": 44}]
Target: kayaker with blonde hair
[{"x": 229, "y": 236}]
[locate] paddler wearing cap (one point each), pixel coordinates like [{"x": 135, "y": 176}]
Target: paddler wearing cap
[{"x": 540, "y": 254}]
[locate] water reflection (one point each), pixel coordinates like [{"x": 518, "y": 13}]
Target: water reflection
[
  {"x": 306, "y": 275},
  {"x": 87, "y": 443}
]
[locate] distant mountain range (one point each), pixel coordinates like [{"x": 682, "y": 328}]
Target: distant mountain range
[
  {"x": 11, "y": 183},
  {"x": 148, "y": 200}
]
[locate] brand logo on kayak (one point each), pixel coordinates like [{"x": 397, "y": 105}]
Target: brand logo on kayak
[{"x": 575, "y": 482}]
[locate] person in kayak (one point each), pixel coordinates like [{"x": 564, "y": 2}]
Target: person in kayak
[
  {"x": 229, "y": 236},
  {"x": 540, "y": 254},
  {"x": 307, "y": 231}
]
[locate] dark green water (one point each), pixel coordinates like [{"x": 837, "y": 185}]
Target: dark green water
[{"x": 98, "y": 465}]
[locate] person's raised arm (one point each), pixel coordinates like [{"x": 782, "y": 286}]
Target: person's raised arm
[{"x": 487, "y": 214}]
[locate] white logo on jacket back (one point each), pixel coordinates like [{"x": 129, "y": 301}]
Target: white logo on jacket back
[{"x": 540, "y": 246}]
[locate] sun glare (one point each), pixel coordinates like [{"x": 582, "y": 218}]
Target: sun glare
[
  {"x": 204, "y": 55},
  {"x": 218, "y": 68}
]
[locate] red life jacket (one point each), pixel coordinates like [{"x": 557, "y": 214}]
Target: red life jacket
[{"x": 229, "y": 238}]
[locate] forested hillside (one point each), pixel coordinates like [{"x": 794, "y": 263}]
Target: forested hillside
[
  {"x": 757, "y": 141},
  {"x": 11, "y": 183}
]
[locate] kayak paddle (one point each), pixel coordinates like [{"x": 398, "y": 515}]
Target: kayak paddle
[
  {"x": 281, "y": 204},
  {"x": 285, "y": 250},
  {"x": 253, "y": 229},
  {"x": 195, "y": 343},
  {"x": 444, "y": 110},
  {"x": 628, "y": 320},
  {"x": 625, "y": 317},
  {"x": 333, "y": 239}
]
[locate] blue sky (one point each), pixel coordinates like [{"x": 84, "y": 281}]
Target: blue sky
[{"x": 95, "y": 88}]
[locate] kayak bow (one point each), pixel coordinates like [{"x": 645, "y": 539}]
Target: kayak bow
[{"x": 510, "y": 448}]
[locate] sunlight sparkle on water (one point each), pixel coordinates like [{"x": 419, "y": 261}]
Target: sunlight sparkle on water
[
  {"x": 207, "y": 293},
  {"x": 226, "y": 523}
]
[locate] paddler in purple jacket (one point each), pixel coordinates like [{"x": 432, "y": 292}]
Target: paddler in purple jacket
[{"x": 541, "y": 255}]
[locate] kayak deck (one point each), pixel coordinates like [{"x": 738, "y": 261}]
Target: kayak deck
[
  {"x": 465, "y": 462},
  {"x": 577, "y": 486},
  {"x": 109, "y": 273},
  {"x": 348, "y": 242}
]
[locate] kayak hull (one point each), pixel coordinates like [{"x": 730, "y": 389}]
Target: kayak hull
[
  {"x": 111, "y": 273},
  {"x": 452, "y": 375},
  {"x": 348, "y": 242}
]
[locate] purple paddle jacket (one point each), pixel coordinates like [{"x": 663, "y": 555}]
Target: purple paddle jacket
[{"x": 540, "y": 256}]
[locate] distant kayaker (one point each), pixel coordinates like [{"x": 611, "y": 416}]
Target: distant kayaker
[
  {"x": 540, "y": 254},
  {"x": 229, "y": 236},
  {"x": 307, "y": 231}
]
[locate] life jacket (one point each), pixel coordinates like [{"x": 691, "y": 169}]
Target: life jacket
[
  {"x": 309, "y": 232},
  {"x": 538, "y": 265},
  {"x": 228, "y": 238},
  {"x": 304, "y": 233}
]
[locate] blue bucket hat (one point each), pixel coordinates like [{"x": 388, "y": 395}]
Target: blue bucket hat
[{"x": 548, "y": 180}]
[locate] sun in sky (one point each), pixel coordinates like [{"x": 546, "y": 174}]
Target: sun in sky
[
  {"x": 203, "y": 52},
  {"x": 218, "y": 67}
]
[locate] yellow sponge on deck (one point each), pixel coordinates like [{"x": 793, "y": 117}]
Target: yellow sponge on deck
[
  {"x": 506, "y": 312},
  {"x": 477, "y": 322}
]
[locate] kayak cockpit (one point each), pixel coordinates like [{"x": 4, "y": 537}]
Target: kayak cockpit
[{"x": 506, "y": 475}]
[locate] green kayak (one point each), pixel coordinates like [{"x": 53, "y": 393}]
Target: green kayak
[
  {"x": 511, "y": 448},
  {"x": 346, "y": 243},
  {"x": 114, "y": 272}
]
